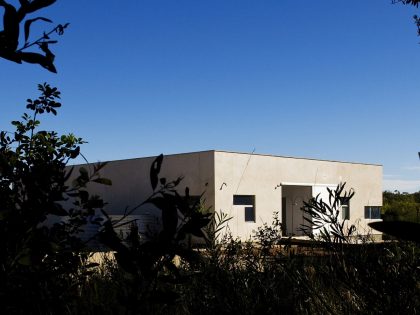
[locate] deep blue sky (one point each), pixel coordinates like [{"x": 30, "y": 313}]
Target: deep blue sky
[{"x": 323, "y": 79}]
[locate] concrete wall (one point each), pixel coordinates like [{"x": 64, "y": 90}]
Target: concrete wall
[
  {"x": 131, "y": 179},
  {"x": 264, "y": 175},
  {"x": 225, "y": 174}
]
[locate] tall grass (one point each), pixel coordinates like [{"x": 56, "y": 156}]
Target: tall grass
[{"x": 263, "y": 277}]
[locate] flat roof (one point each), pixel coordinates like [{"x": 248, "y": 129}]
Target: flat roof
[
  {"x": 243, "y": 153},
  {"x": 294, "y": 157}
]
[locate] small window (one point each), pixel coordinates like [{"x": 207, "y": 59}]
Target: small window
[
  {"x": 372, "y": 212},
  {"x": 248, "y": 201},
  {"x": 345, "y": 210},
  {"x": 249, "y": 214}
]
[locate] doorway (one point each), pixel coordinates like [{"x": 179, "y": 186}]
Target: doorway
[{"x": 293, "y": 197}]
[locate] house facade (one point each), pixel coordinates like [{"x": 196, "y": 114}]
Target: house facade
[{"x": 248, "y": 187}]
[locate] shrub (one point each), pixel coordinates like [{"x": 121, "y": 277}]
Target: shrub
[{"x": 41, "y": 263}]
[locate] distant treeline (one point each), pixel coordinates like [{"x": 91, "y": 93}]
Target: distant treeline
[{"x": 401, "y": 206}]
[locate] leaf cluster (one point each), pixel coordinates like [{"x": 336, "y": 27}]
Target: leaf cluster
[
  {"x": 408, "y": 2},
  {"x": 325, "y": 216},
  {"x": 149, "y": 264},
  {"x": 414, "y": 3},
  {"x": 9, "y": 37},
  {"x": 400, "y": 206},
  {"x": 41, "y": 255},
  {"x": 44, "y": 210}
]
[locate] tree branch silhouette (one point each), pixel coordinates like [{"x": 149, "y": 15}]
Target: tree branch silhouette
[{"x": 9, "y": 36}]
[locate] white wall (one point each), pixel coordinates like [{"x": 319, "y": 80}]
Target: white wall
[
  {"x": 263, "y": 175},
  {"x": 227, "y": 174}
]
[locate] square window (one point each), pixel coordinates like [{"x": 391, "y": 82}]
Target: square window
[
  {"x": 248, "y": 203},
  {"x": 372, "y": 212}
]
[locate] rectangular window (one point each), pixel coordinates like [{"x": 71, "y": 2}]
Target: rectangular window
[
  {"x": 345, "y": 210},
  {"x": 372, "y": 212},
  {"x": 249, "y": 214},
  {"x": 367, "y": 212},
  {"x": 248, "y": 201}
]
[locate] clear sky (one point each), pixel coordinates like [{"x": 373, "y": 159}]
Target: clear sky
[{"x": 325, "y": 79}]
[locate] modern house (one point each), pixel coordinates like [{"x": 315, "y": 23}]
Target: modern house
[{"x": 248, "y": 187}]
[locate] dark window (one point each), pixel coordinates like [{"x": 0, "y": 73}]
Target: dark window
[
  {"x": 250, "y": 214},
  {"x": 367, "y": 212},
  {"x": 243, "y": 200},
  {"x": 372, "y": 212},
  {"x": 248, "y": 201},
  {"x": 375, "y": 213},
  {"x": 345, "y": 210}
]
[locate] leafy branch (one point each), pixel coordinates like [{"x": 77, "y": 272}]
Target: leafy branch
[
  {"x": 9, "y": 36},
  {"x": 324, "y": 216},
  {"x": 414, "y": 3}
]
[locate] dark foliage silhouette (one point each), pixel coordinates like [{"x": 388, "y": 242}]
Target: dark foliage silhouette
[
  {"x": 324, "y": 216},
  {"x": 149, "y": 264},
  {"x": 14, "y": 20},
  {"x": 409, "y": 231},
  {"x": 41, "y": 256},
  {"x": 415, "y": 17}
]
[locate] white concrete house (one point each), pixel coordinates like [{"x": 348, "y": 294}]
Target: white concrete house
[{"x": 249, "y": 187}]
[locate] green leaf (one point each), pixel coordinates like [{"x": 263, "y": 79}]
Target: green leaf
[{"x": 25, "y": 258}]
